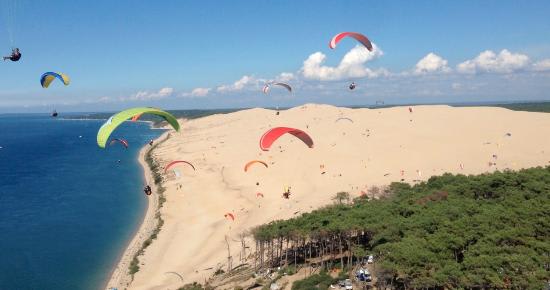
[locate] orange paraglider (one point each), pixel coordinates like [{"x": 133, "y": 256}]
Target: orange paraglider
[{"x": 252, "y": 162}]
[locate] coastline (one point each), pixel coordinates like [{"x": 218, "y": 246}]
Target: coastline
[{"x": 120, "y": 277}]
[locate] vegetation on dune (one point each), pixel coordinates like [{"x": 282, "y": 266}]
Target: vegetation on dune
[
  {"x": 489, "y": 231},
  {"x": 543, "y": 107},
  {"x": 157, "y": 179}
]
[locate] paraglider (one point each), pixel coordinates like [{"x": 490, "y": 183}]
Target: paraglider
[
  {"x": 252, "y": 162},
  {"x": 121, "y": 141},
  {"x": 286, "y": 193},
  {"x": 176, "y": 162},
  {"x": 343, "y": 118},
  {"x": 48, "y": 77},
  {"x": 147, "y": 190},
  {"x": 114, "y": 121},
  {"x": 352, "y": 86},
  {"x": 181, "y": 278},
  {"x": 357, "y": 36},
  {"x": 268, "y": 86},
  {"x": 229, "y": 216},
  {"x": 273, "y": 134},
  {"x": 15, "y": 55}
]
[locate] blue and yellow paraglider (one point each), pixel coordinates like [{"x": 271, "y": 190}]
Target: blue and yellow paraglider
[{"x": 48, "y": 77}]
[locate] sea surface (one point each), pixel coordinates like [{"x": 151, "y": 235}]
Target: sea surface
[{"x": 67, "y": 207}]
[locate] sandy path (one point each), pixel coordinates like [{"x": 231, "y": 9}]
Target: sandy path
[{"x": 380, "y": 146}]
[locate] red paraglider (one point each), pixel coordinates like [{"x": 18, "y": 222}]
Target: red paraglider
[
  {"x": 358, "y": 36},
  {"x": 176, "y": 162},
  {"x": 273, "y": 134},
  {"x": 121, "y": 141},
  {"x": 229, "y": 216}
]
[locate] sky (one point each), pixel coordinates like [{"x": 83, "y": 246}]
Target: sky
[{"x": 220, "y": 54}]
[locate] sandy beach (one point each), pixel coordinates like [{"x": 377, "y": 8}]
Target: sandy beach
[{"x": 354, "y": 150}]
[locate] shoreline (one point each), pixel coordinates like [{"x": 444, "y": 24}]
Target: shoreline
[{"x": 120, "y": 277}]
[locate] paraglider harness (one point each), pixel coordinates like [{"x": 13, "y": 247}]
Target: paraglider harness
[{"x": 15, "y": 55}]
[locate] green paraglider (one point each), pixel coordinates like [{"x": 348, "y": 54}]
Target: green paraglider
[{"x": 114, "y": 121}]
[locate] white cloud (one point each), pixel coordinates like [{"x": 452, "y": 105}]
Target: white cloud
[
  {"x": 236, "y": 86},
  {"x": 146, "y": 95},
  {"x": 489, "y": 61},
  {"x": 351, "y": 65},
  {"x": 200, "y": 92},
  {"x": 285, "y": 77},
  {"x": 456, "y": 86},
  {"x": 431, "y": 63},
  {"x": 543, "y": 65}
]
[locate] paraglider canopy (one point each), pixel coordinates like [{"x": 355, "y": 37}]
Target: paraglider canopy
[
  {"x": 176, "y": 162},
  {"x": 229, "y": 216},
  {"x": 358, "y": 36},
  {"x": 47, "y": 78},
  {"x": 268, "y": 85},
  {"x": 273, "y": 134},
  {"x": 252, "y": 162},
  {"x": 121, "y": 141},
  {"x": 114, "y": 121},
  {"x": 343, "y": 118}
]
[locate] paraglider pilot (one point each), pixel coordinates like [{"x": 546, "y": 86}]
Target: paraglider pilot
[
  {"x": 286, "y": 194},
  {"x": 352, "y": 86},
  {"x": 147, "y": 190},
  {"x": 15, "y": 55}
]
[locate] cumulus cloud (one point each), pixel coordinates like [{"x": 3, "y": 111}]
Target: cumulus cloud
[
  {"x": 489, "y": 61},
  {"x": 543, "y": 65},
  {"x": 146, "y": 95},
  {"x": 351, "y": 65},
  {"x": 236, "y": 86},
  {"x": 285, "y": 77},
  {"x": 431, "y": 63},
  {"x": 200, "y": 92}
]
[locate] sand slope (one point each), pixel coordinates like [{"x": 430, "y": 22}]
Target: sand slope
[{"x": 371, "y": 150}]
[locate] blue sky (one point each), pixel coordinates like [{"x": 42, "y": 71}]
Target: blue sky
[{"x": 214, "y": 54}]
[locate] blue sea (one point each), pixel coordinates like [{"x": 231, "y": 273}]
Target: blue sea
[{"x": 67, "y": 207}]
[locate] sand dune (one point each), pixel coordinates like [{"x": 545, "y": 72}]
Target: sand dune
[{"x": 380, "y": 146}]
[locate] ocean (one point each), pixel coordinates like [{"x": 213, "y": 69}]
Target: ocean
[{"x": 67, "y": 207}]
